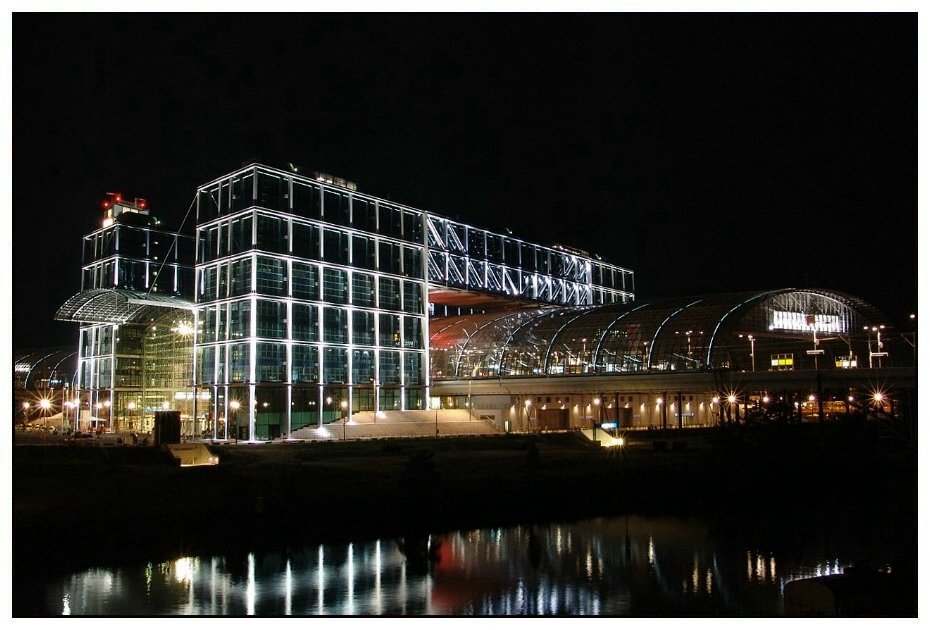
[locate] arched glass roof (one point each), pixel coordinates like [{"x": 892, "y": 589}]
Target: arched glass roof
[
  {"x": 44, "y": 368},
  {"x": 116, "y": 306},
  {"x": 733, "y": 330}
]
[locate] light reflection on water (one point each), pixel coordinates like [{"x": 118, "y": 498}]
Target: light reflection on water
[{"x": 634, "y": 566}]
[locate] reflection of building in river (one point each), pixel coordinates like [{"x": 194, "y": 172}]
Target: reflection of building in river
[{"x": 670, "y": 566}]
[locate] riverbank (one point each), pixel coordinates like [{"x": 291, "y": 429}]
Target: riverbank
[{"x": 74, "y": 506}]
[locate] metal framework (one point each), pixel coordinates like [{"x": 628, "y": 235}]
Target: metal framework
[{"x": 815, "y": 328}]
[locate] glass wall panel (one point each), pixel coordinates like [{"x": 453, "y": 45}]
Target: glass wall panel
[
  {"x": 413, "y": 297},
  {"x": 240, "y": 277},
  {"x": 389, "y": 294},
  {"x": 363, "y": 328},
  {"x": 240, "y": 320},
  {"x": 389, "y": 367},
  {"x": 363, "y": 289},
  {"x": 271, "y": 319},
  {"x": 222, "y": 326},
  {"x": 363, "y": 252},
  {"x": 270, "y": 362},
  {"x": 238, "y": 362},
  {"x": 242, "y": 191},
  {"x": 305, "y": 326},
  {"x": 335, "y": 365},
  {"x": 363, "y": 366},
  {"x": 335, "y": 285},
  {"x": 306, "y": 241},
  {"x": 207, "y": 318},
  {"x": 335, "y": 325},
  {"x": 272, "y": 192},
  {"x": 240, "y": 232},
  {"x": 336, "y": 247},
  {"x": 208, "y": 284},
  {"x": 336, "y": 207},
  {"x": 413, "y": 335},
  {"x": 389, "y": 257},
  {"x": 412, "y": 363},
  {"x": 307, "y": 200},
  {"x": 270, "y": 276},
  {"x": 271, "y": 234},
  {"x": 205, "y": 364},
  {"x": 363, "y": 214},
  {"x": 389, "y": 220},
  {"x": 133, "y": 242},
  {"x": 304, "y": 282},
  {"x": 413, "y": 263},
  {"x": 388, "y": 330},
  {"x": 413, "y": 226},
  {"x": 305, "y": 367}
]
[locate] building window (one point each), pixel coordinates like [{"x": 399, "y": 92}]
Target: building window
[
  {"x": 270, "y": 276},
  {"x": 270, "y": 362},
  {"x": 304, "y": 325},
  {"x": 335, "y": 324},
  {"x": 363, "y": 328},
  {"x": 304, "y": 364},
  {"x": 363, "y": 289},
  {"x": 272, "y": 319},
  {"x": 335, "y": 286},
  {"x": 304, "y": 283},
  {"x": 334, "y": 365},
  {"x": 389, "y": 330},
  {"x": 389, "y": 294}
]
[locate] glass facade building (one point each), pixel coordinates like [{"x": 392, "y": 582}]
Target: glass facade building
[
  {"x": 134, "y": 341},
  {"x": 312, "y": 299}
]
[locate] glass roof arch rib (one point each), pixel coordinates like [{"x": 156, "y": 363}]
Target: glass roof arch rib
[
  {"x": 527, "y": 347},
  {"x": 749, "y": 298},
  {"x": 599, "y": 361},
  {"x": 581, "y": 339},
  {"x": 483, "y": 351},
  {"x": 117, "y": 306},
  {"x": 549, "y": 368}
]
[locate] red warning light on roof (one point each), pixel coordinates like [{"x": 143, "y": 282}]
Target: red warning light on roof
[
  {"x": 141, "y": 202},
  {"x": 106, "y": 204}
]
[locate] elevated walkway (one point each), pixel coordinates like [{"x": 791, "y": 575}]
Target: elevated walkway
[{"x": 388, "y": 424}]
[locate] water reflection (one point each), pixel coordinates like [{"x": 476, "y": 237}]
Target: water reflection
[{"x": 624, "y": 566}]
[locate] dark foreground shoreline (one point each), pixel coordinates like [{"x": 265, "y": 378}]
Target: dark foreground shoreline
[{"x": 79, "y": 506}]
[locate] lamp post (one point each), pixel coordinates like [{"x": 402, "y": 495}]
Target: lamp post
[
  {"x": 26, "y": 406},
  {"x": 344, "y": 404},
  {"x": 131, "y": 406},
  {"x": 878, "y": 345},
  {"x": 597, "y": 415},
  {"x": 234, "y": 406},
  {"x": 752, "y": 350},
  {"x": 69, "y": 405},
  {"x": 329, "y": 401},
  {"x": 45, "y": 404}
]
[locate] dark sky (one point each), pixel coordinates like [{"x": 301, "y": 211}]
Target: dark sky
[{"x": 706, "y": 152}]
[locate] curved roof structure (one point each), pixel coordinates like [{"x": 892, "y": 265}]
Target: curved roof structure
[
  {"x": 117, "y": 306},
  {"x": 732, "y": 330},
  {"x": 44, "y": 368}
]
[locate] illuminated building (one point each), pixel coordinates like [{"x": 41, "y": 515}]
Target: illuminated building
[{"x": 297, "y": 300}]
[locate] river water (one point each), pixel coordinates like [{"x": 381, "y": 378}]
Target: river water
[{"x": 627, "y": 565}]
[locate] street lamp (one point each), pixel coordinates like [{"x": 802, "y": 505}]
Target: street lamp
[
  {"x": 26, "y": 406},
  {"x": 45, "y": 404},
  {"x": 878, "y": 345},
  {"x": 344, "y": 404},
  {"x": 131, "y": 407},
  {"x": 597, "y": 416},
  {"x": 70, "y": 406},
  {"x": 234, "y": 406},
  {"x": 752, "y": 350}
]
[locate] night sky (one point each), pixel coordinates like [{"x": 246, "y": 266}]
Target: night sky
[{"x": 706, "y": 152}]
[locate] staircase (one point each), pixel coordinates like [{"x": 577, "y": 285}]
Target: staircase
[{"x": 385, "y": 424}]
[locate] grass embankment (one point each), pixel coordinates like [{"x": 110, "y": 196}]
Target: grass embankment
[{"x": 79, "y": 505}]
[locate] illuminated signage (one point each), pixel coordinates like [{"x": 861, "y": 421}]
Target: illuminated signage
[{"x": 787, "y": 320}]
